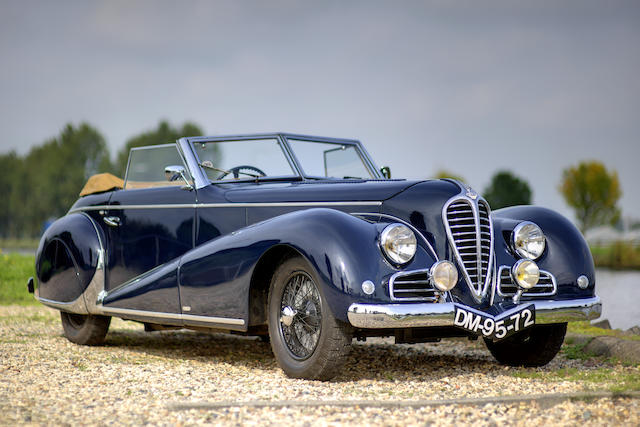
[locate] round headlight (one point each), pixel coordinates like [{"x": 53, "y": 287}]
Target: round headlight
[
  {"x": 398, "y": 243},
  {"x": 528, "y": 240},
  {"x": 444, "y": 275},
  {"x": 526, "y": 273}
]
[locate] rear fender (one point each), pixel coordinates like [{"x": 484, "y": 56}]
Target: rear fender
[{"x": 69, "y": 257}]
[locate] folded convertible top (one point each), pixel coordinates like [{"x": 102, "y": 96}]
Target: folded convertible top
[{"x": 100, "y": 183}]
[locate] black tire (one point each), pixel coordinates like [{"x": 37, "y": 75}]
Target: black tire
[
  {"x": 85, "y": 329},
  {"x": 314, "y": 344},
  {"x": 536, "y": 346}
]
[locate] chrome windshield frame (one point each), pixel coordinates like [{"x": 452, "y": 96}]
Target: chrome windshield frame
[{"x": 201, "y": 179}]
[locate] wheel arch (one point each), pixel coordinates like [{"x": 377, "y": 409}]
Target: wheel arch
[{"x": 261, "y": 279}]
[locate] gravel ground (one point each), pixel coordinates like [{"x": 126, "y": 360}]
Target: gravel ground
[{"x": 136, "y": 376}]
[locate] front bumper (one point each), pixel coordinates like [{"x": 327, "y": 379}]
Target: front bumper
[{"x": 384, "y": 316}]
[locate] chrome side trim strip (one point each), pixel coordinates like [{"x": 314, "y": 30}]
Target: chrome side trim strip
[
  {"x": 173, "y": 316},
  {"x": 219, "y": 320},
  {"x": 222, "y": 205},
  {"x": 385, "y": 316}
]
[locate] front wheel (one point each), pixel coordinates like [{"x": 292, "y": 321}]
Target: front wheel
[
  {"x": 85, "y": 329},
  {"x": 307, "y": 340},
  {"x": 535, "y": 346}
]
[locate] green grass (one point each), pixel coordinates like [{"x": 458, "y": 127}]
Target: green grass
[
  {"x": 618, "y": 256},
  {"x": 585, "y": 328},
  {"x": 15, "y": 270},
  {"x": 615, "y": 380}
]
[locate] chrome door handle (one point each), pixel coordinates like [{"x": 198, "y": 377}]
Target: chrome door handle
[{"x": 113, "y": 221}]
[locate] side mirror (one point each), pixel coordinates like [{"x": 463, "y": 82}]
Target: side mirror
[
  {"x": 175, "y": 172},
  {"x": 386, "y": 171}
]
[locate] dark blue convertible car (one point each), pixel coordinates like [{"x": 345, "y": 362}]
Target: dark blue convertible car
[{"x": 304, "y": 241}]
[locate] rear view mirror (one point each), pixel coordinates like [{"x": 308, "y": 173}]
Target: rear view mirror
[
  {"x": 386, "y": 171},
  {"x": 175, "y": 172}
]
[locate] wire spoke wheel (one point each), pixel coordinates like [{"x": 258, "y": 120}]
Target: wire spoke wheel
[
  {"x": 306, "y": 338},
  {"x": 301, "y": 320}
]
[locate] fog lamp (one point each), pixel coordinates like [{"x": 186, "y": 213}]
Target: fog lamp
[
  {"x": 526, "y": 273},
  {"x": 444, "y": 275}
]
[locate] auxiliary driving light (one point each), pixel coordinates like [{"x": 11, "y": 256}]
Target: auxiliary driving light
[
  {"x": 526, "y": 273},
  {"x": 444, "y": 275}
]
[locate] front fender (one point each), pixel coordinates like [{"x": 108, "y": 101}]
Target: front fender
[
  {"x": 567, "y": 255},
  {"x": 342, "y": 248}
]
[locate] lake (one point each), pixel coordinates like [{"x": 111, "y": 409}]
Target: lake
[{"x": 620, "y": 294}]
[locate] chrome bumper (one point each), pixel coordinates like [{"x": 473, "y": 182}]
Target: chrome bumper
[{"x": 381, "y": 316}]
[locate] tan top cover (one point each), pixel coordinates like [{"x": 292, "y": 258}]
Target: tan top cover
[{"x": 100, "y": 183}]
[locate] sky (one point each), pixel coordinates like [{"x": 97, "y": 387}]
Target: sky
[{"x": 468, "y": 86}]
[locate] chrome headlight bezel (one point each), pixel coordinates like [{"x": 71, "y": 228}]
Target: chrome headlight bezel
[
  {"x": 398, "y": 243},
  {"x": 528, "y": 240}
]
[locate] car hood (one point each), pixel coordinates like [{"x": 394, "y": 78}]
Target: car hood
[{"x": 318, "y": 191}]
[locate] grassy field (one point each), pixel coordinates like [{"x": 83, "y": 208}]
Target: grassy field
[
  {"x": 618, "y": 256},
  {"x": 15, "y": 269}
]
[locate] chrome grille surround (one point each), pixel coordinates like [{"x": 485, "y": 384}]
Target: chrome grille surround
[
  {"x": 546, "y": 286},
  {"x": 467, "y": 220},
  {"x": 412, "y": 285}
]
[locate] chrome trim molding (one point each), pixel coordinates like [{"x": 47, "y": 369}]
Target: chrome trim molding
[
  {"x": 173, "y": 316},
  {"x": 385, "y": 316},
  {"x": 223, "y": 205}
]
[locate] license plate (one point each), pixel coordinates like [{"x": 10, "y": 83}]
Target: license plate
[{"x": 495, "y": 328}]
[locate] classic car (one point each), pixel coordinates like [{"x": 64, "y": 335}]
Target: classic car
[{"x": 304, "y": 242}]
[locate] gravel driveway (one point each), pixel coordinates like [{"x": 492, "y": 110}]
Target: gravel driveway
[{"x": 138, "y": 377}]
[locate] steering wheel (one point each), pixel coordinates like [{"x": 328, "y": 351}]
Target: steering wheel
[{"x": 237, "y": 170}]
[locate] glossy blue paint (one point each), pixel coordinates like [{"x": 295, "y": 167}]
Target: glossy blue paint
[
  {"x": 176, "y": 248},
  {"x": 67, "y": 257},
  {"x": 566, "y": 256},
  {"x": 147, "y": 237}
]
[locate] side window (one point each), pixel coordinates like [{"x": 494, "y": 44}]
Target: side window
[{"x": 147, "y": 164}]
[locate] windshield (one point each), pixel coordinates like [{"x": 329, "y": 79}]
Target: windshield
[
  {"x": 329, "y": 160},
  {"x": 268, "y": 158},
  {"x": 243, "y": 159}
]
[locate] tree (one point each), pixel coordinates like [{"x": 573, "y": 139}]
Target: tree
[
  {"x": 442, "y": 173},
  {"x": 163, "y": 134},
  {"x": 593, "y": 192},
  {"x": 506, "y": 189}
]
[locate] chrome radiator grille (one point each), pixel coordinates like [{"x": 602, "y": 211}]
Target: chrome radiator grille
[
  {"x": 412, "y": 286},
  {"x": 470, "y": 234},
  {"x": 546, "y": 285}
]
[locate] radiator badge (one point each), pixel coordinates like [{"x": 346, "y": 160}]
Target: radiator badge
[{"x": 471, "y": 194}]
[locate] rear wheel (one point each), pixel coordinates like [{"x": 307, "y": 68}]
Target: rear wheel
[
  {"x": 85, "y": 329},
  {"x": 306, "y": 339},
  {"x": 535, "y": 346}
]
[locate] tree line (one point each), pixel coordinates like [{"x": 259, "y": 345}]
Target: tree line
[
  {"x": 588, "y": 188},
  {"x": 45, "y": 182}
]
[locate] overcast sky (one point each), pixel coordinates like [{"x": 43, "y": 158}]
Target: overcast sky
[{"x": 467, "y": 86}]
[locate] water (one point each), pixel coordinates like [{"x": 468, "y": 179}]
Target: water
[{"x": 620, "y": 294}]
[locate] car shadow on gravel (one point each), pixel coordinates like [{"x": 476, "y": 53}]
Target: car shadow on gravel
[{"x": 380, "y": 359}]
